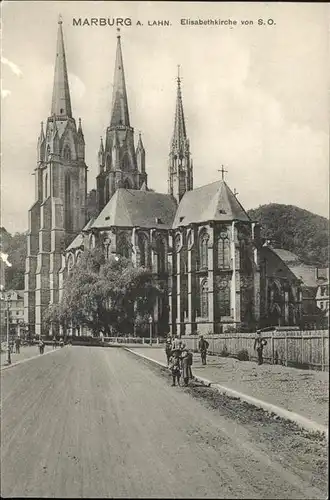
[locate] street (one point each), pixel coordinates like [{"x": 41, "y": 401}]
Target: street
[{"x": 98, "y": 422}]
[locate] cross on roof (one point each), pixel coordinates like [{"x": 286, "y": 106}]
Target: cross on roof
[{"x": 223, "y": 171}]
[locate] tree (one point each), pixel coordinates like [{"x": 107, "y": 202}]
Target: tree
[
  {"x": 16, "y": 248},
  {"x": 104, "y": 294}
]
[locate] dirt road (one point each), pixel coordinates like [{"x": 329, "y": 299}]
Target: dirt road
[{"x": 92, "y": 422}]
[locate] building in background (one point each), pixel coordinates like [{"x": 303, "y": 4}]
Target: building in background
[{"x": 13, "y": 302}]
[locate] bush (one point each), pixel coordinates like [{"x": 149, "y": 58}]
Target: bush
[
  {"x": 224, "y": 352},
  {"x": 243, "y": 355}
]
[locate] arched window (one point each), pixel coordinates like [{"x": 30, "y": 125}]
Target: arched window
[
  {"x": 107, "y": 191},
  {"x": 67, "y": 153},
  {"x": 245, "y": 261},
  {"x": 78, "y": 257},
  {"x": 127, "y": 184},
  {"x": 204, "y": 298},
  {"x": 46, "y": 187},
  {"x": 161, "y": 255},
  {"x": 144, "y": 250},
  {"x": 67, "y": 207},
  {"x": 223, "y": 298},
  {"x": 123, "y": 247},
  {"x": 70, "y": 262},
  {"x": 223, "y": 248},
  {"x": 203, "y": 250}
]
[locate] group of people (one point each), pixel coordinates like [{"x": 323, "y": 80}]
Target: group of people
[
  {"x": 61, "y": 342},
  {"x": 179, "y": 361},
  {"x": 180, "y": 358}
]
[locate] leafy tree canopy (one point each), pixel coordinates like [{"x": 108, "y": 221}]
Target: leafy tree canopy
[
  {"x": 294, "y": 229},
  {"x": 16, "y": 247},
  {"x": 101, "y": 294}
]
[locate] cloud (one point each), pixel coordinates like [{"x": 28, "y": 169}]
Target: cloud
[
  {"x": 15, "y": 69},
  {"x": 77, "y": 87}
]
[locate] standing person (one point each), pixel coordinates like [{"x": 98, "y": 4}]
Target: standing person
[
  {"x": 186, "y": 367},
  {"x": 203, "y": 346},
  {"x": 168, "y": 350},
  {"x": 259, "y": 345},
  {"x": 54, "y": 342},
  {"x": 61, "y": 342},
  {"x": 176, "y": 343},
  {"x": 190, "y": 362},
  {"x": 17, "y": 345},
  {"x": 175, "y": 369},
  {"x": 41, "y": 346}
]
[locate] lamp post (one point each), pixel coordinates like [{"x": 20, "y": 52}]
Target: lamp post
[{"x": 150, "y": 329}]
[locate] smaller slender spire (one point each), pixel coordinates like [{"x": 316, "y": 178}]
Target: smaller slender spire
[
  {"x": 179, "y": 133},
  {"x": 101, "y": 156},
  {"x": 140, "y": 146},
  {"x": 42, "y": 134}
]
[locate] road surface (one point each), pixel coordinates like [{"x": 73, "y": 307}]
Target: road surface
[{"x": 96, "y": 422}]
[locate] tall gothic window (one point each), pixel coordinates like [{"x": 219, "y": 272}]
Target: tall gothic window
[
  {"x": 67, "y": 192},
  {"x": 161, "y": 255},
  {"x": 46, "y": 187},
  {"x": 107, "y": 190},
  {"x": 67, "y": 153},
  {"x": 223, "y": 294},
  {"x": 204, "y": 298},
  {"x": 144, "y": 250},
  {"x": 245, "y": 261},
  {"x": 223, "y": 248},
  {"x": 123, "y": 247},
  {"x": 203, "y": 250}
]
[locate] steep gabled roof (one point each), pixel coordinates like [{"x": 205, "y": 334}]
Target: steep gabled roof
[
  {"x": 211, "y": 202},
  {"x": 135, "y": 208}
]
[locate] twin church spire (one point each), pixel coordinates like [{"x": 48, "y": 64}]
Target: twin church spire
[
  {"x": 61, "y": 101},
  {"x": 120, "y": 164}
]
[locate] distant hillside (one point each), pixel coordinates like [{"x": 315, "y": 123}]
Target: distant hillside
[
  {"x": 15, "y": 247},
  {"x": 292, "y": 228}
]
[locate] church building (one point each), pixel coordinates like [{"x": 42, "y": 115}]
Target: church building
[{"x": 200, "y": 244}]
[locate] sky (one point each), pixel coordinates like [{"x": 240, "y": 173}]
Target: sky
[{"x": 255, "y": 96}]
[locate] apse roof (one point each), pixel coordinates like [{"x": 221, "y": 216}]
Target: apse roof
[
  {"x": 135, "y": 208},
  {"x": 214, "y": 202}
]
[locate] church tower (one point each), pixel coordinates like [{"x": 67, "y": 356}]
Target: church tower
[
  {"x": 59, "y": 210},
  {"x": 120, "y": 165},
  {"x": 180, "y": 170}
]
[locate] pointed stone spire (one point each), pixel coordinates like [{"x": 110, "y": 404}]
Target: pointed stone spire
[
  {"x": 61, "y": 102},
  {"x": 101, "y": 156},
  {"x": 140, "y": 146},
  {"x": 119, "y": 113},
  {"x": 42, "y": 134},
  {"x": 179, "y": 134},
  {"x": 80, "y": 132}
]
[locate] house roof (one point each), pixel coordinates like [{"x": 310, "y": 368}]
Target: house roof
[
  {"x": 136, "y": 208},
  {"x": 214, "y": 201},
  {"x": 307, "y": 274}
]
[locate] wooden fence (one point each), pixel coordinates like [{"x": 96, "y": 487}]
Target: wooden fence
[{"x": 302, "y": 349}]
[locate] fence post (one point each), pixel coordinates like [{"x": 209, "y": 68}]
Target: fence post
[
  {"x": 323, "y": 367},
  {"x": 272, "y": 345},
  {"x": 142, "y": 340},
  {"x": 157, "y": 340},
  {"x": 302, "y": 348},
  {"x": 286, "y": 349}
]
